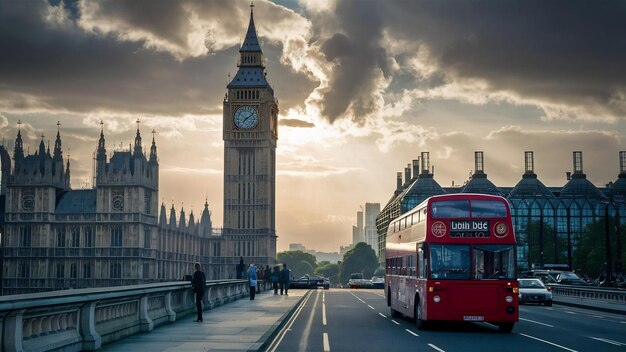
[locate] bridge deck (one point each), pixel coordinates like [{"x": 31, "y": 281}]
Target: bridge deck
[{"x": 242, "y": 325}]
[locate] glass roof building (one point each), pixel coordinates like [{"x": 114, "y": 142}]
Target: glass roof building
[{"x": 553, "y": 225}]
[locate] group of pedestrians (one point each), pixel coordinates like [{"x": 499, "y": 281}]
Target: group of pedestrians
[{"x": 275, "y": 277}]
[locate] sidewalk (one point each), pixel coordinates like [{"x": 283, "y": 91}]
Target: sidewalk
[
  {"x": 604, "y": 306},
  {"x": 242, "y": 325}
]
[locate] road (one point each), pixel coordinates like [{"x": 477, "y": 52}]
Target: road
[{"x": 359, "y": 320}]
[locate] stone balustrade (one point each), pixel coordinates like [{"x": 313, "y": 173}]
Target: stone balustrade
[{"x": 86, "y": 319}]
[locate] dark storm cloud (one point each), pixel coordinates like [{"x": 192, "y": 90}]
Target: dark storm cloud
[
  {"x": 55, "y": 65},
  {"x": 565, "y": 54}
]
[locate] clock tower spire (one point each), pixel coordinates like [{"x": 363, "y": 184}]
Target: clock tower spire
[{"x": 250, "y": 137}]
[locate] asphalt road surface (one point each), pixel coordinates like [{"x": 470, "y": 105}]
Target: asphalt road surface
[{"x": 359, "y": 320}]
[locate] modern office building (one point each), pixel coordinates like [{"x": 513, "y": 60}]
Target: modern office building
[
  {"x": 357, "y": 231},
  {"x": 553, "y": 225},
  {"x": 369, "y": 230}
]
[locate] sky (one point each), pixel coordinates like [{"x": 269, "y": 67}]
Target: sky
[{"x": 363, "y": 86}]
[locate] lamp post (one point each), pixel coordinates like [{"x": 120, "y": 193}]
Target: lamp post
[{"x": 607, "y": 238}]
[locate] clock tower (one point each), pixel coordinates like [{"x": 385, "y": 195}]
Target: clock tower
[{"x": 250, "y": 133}]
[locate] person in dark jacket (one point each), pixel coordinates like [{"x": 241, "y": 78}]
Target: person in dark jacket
[
  {"x": 285, "y": 279},
  {"x": 275, "y": 278},
  {"x": 198, "y": 283},
  {"x": 268, "y": 278},
  {"x": 240, "y": 268}
]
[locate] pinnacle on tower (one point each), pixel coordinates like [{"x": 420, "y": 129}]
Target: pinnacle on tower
[
  {"x": 153, "y": 149},
  {"x": 58, "y": 153},
  {"x": 102, "y": 152},
  {"x": 137, "y": 151}
]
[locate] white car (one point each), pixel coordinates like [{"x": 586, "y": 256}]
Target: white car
[{"x": 534, "y": 291}]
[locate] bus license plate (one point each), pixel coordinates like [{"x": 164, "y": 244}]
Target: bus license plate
[{"x": 473, "y": 318}]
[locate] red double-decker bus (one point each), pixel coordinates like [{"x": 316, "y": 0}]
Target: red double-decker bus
[{"x": 453, "y": 258}]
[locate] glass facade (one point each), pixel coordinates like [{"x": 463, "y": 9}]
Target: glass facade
[{"x": 565, "y": 226}]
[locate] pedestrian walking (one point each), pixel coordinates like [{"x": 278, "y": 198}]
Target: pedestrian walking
[
  {"x": 240, "y": 268},
  {"x": 275, "y": 279},
  {"x": 285, "y": 279},
  {"x": 267, "y": 282},
  {"x": 198, "y": 283},
  {"x": 259, "y": 276},
  {"x": 252, "y": 280}
]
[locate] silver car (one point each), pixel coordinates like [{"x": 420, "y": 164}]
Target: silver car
[{"x": 534, "y": 291}]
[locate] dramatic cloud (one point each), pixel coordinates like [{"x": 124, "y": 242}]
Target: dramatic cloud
[{"x": 295, "y": 123}]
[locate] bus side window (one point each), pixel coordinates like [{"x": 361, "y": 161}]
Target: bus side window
[{"x": 421, "y": 266}]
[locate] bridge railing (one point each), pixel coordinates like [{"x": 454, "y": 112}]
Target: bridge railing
[
  {"x": 85, "y": 319},
  {"x": 609, "y": 295}
]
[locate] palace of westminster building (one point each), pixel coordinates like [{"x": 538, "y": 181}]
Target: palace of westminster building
[{"x": 54, "y": 237}]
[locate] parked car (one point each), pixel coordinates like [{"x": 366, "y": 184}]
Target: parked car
[
  {"x": 378, "y": 282},
  {"x": 534, "y": 291},
  {"x": 546, "y": 276},
  {"x": 310, "y": 281}
]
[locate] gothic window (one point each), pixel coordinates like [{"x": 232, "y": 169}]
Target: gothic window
[
  {"x": 146, "y": 270},
  {"x": 148, "y": 199},
  {"x": 60, "y": 237},
  {"x": 24, "y": 270},
  {"x": 25, "y": 236},
  {"x": 89, "y": 236},
  {"x": 73, "y": 271},
  {"x": 60, "y": 271},
  {"x": 115, "y": 270},
  {"x": 147, "y": 238},
  {"x": 75, "y": 237},
  {"x": 87, "y": 271},
  {"x": 116, "y": 236}
]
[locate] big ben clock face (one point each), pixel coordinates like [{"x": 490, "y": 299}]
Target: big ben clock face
[{"x": 246, "y": 117}]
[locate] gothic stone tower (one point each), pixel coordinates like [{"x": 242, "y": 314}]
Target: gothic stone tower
[{"x": 250, "y": 136}]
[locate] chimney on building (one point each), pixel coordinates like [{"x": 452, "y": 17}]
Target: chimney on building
[
  {"x": 479, "y": 163},
  {"x": 416, "y": 167},
  {"x": 578, "y": 162},
  {"x": 425, "y": 163},
  {"x": 568, "y": 175},
  {"x": 529, "y": 162},
  {"x": 407, "y": 174},
  {"x": 399, "y": 182},
  {"x": 622, "y": 164}
]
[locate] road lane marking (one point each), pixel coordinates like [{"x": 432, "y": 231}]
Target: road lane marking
[
  {"x": 281, "y": 334},
  {"x": 411, "y": 332},
  {"x": 382, "y": 315},
  {"x": 435, "y": 347},
  {"x": 304, "y": 341},
  {"x": 323, "y": 297},
  {"x": 323, "y": 313},
  {"x": 616, "y": 343},
  {"x": 536, "y": 322},
  {"x": 598, "y": 316},
  {"x": 548, "y": 342},
  {"x": 326, "y": 343},
  {"x": 370, "y": 306},
  {"x": 570, "y": 312},
  {"x": 395, "y": 322}
]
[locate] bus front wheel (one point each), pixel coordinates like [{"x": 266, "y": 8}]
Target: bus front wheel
[
  {"x": 419, "y": 321},
  {"x": 506, "y": 327}
]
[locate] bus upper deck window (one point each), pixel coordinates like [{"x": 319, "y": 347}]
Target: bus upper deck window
[
  {"x": 451, "y": 209},
  {"x": 488, "y": 209}
]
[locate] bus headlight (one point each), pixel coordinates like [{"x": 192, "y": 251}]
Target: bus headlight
[
  {"x": 508, "y": 299},
  {"x": 436, "y": 298}
]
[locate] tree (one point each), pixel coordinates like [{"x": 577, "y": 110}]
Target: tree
[
  {"x": 548, "y": 244},
  {"x": 360, "y": 259},
  {"x": 329, "y": 270},
  {"x": 298, "y": 262},
  {"x": 590, "y": 252}
]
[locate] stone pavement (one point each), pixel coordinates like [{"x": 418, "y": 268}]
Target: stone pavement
[{"x": 243, "y": 325}]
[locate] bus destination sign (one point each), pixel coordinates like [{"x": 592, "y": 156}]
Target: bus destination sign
[{"x": 469, "y": 228}]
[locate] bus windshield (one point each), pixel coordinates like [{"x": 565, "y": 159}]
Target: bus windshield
[
  {"x": 463, "y": 209},
  {"x": 490, "y": 262}
]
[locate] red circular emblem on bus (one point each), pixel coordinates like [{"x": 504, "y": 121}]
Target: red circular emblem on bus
[{"x": 438, "y": 229}]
